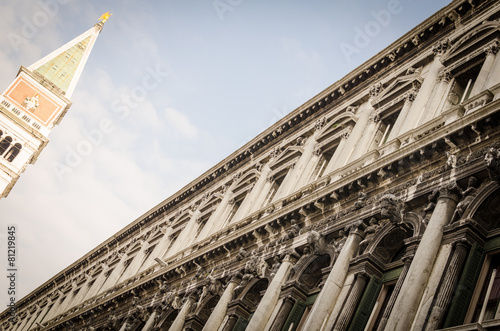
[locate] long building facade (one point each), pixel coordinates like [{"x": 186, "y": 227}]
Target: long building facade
[{"x": 373, "y": 206}]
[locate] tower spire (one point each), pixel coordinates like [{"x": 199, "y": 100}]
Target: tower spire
[
  {"x": 37, "y": 99},
  {"x": 64, "y": 66}
]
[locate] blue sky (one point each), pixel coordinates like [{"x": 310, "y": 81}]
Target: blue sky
[{"x": 226, "y": 70}]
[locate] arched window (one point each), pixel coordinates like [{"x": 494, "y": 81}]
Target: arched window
[
  {"x": 4, "y": 144},
  {"x": 13, "y": 152}
]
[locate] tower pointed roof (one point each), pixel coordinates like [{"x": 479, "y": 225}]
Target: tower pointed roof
[{"x": 64, "y": 66}]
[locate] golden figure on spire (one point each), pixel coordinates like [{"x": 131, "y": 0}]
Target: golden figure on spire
[{"x": 104, "y": 17}]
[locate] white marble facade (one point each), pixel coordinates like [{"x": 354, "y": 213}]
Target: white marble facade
[{"x": 374, "y": 206}]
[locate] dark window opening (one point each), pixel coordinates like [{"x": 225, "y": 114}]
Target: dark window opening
[
  {"x": 464, "y": 83},
  {"x": 13, "y": 152},
  {"x": 386, "y": 126},
  {"x": 488, "y": 301},
  {"x": 5, "y": 144}
]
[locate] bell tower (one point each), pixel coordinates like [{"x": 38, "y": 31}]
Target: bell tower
[{"x": 38, "y": 99}]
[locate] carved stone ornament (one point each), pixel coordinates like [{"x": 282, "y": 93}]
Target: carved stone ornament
[
  {"x": 276, "y": 265},
  {"x": 347, "y": 133},
  {"x": 300, "y": 141},
  {"x": 371, "y": 230},
  {"x": 245, "y": 280},
  {"x": 352, "y": 109},
  {"x": 340, "y": 241},
  {"x": 375, "y": 90},
  {"x": 492, "y": 161},
  {"x": 492, "y": 48},
  {"x": 392, "y": 208},
  {"x": 440, "y": 47},
  {"x": 361, "y": 201},
  {"x": 374, "y": 117},
  {"x": 469, "y": 194},
  {"x": 275, "y": 152},
  {"x": 320, "y": 123},
  {"x": 412, "y": 70},
  {"x": 444, "y": 76},
  {"x": 316, "y": 242}
]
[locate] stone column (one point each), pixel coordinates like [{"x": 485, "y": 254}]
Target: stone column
[
  {"x": 270, "y": 298},
  {"x": 414, "y": 285},
  {"x": 125, "y": 324},
  {"x": 187, "y": 234},
  {"x": 339, "y": 157},
  {"x": 115, "y": 273},
  {"x": 420, "y": 104},
  {"x": 214, "y": 222},
  {"x": 55, "y": 307},
  {"x": 395, "y": 293},
  {"x": 484, "y": 73},
  {"x": 494, "y": 76},
  {"x": 101, "y": 278},
  {"x": 326, "y": 299},
  {"x": 150, "y": 323},
  {"x": 159, "y": 250},
  {"x": 40, "y": 316},
  {"x": 138, "y": 259},
  {"x": 401, "y": 120},
  {"x": 352, "y": 302},
  {"x": 231, "y": 322},
  {"x": 217, "y": 316},
  {"x": 437, "y": 99},
  {"x": 364, "y": 129},
  {"x": 178, "y": 323},
  {"x": 448, "y": 286},
  {"x": 283, "y": 313},
  {"x": 255, "y": 198},
  {"x": 299, "y": 171}
]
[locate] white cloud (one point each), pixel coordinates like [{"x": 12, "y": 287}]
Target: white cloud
[{"x": 180, "y": 123}]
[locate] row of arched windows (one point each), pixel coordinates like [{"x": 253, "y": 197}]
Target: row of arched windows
[{"x": 8, "y": 150}]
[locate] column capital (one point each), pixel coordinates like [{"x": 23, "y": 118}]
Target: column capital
[
  {"x": 408, "y": 259},
  {"x": 374, "y": 117},
  {"x": 462, "y": 242},
  {"x": 362, "y": 274},
  {"x": 440, "y": 47},
  {"x": 449, "y": 191},
  {"x": 492, "y": 49},
  {"x": 444, "y": 76},
  {"x": 356, "y": 228}
]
